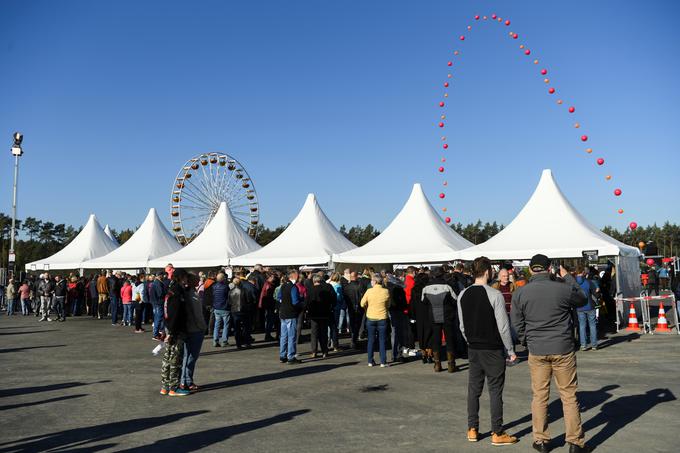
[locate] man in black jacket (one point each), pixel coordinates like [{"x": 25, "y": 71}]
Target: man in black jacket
[
  {"x": 60, "y": 290},
  {"x": 288, "y": 313},
  {"x": 542, "y": 313},
  {"x": 353, "y": 292}
]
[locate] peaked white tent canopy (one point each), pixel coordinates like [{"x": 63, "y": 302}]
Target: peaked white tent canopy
[
  {"x": 310, "y": 239},
  {"x": 151, "y": 240},
  {"x": 221, "y": 240},
  {"x": 550, "y": 225},
  {"x": 108, "y": 232},
  {"x": 416, "y": 235},
  {"x": 90, "y": 243}
]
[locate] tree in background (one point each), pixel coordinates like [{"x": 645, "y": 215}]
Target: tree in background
[{"x": 32, "y": 227}]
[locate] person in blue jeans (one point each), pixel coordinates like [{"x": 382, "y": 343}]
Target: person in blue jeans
[
  {"x": 221, "y": 310},
  {"x": 156, "y": 293},
  {"x": 586, "y": 313},
  {"x": 376, "y": 302},
  {"x": 288, "y": 313}
]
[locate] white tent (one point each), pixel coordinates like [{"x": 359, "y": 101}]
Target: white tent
[
  {"x": 90, "y": 243},
  {"x": 416, "y": 235},
  {"x": 221, "y": 240},
  {"x": 108, "y": 232},
  {"x": 310, "y": 239},
  {"x": 151, "y": 240},
  {"x": 550, "y": 225}
]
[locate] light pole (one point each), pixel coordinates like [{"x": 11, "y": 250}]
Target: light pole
[{"x": 17, "y": 152}]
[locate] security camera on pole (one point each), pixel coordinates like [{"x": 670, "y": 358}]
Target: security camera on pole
[{"x": 16, "y": 152}]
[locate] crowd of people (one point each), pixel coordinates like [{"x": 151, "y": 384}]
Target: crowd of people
[{"x": 451, "y": 312}]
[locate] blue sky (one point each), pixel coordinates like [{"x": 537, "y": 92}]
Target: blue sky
[{"x": 340, "y": 99}]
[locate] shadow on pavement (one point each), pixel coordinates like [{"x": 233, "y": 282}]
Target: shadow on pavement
[
  {"x": 617, "y": 414},
  {"x": 614, "y": 415},
  {"x": 202, "y": 439},
  {"x": 587, "y": 400},
  {"x": 78, "y": 437},
  {"x": 31, "y": 347},
  {"x": 45, "y": 388},
  {"x": 35, "y": 403},
  {"x": 613, "y": 341},
  {"x": 24, "y": 332},
  {"x": 290, "y": 371},
  {"x": 232, "y": 348}
]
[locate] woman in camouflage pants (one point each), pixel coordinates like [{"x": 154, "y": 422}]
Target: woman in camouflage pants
[{"x": 176, "y": 329}]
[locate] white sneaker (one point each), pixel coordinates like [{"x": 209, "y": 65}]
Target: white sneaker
[
  {"x": 384, "y": 365},
  {"x": 49, "y": 319},
  {"x": 371, "y": 364}
]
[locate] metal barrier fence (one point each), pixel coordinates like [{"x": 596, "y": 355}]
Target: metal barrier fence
[{"x": 642, "y": 306}]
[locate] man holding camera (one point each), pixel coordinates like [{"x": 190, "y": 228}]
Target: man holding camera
[{"x": 542, "y": 313}]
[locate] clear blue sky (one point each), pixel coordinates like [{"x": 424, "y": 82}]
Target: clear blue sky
[{"x": 339, "y": 98}]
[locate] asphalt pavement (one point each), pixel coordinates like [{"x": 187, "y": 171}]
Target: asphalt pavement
[{"x": 84, "y": 385}]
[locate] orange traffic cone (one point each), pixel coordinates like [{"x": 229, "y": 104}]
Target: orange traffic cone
[
  {"x": 632, "y": 319},
  {"x": 662, "y": 322}
]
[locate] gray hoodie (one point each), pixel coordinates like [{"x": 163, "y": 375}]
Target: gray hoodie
[{"x": 542, "y": 314}]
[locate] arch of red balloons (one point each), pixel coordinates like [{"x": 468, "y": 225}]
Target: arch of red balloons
[{"x": 551, "y": 90}]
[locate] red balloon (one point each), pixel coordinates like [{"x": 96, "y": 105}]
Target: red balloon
[
  {"x": 507, "y": 22},
  {"x": 584, "y": 138},
  {"x": 572, "y": 109},
  {"x": 477, "y": 17},
  {"x": 527, "y": 52},
  {"x": 632, "y": 225},
  {"x": 462, "y": 38},
  {"x": 446, "y": 84},
  {"x": 617, "y": 192},
  {"x": 650, "y": 262},
  {"x": 441, "y": 195},
  {"x": 620, "y": 211},
  {"x": 515, "y": 36},
  {"x": 441, "y": 124},
  {"x": 446, "y": 146},
  {"x": 544, "y": 71},
  {"x": 493, "y": 16},
  {"x": 447, "y": 220},
  {"x": 450, "y": 63},
  {"x": 441, "y": 169},
  {"x": 551, "y": 90},
  {"x": 441, "y": 104},
  {"x": 600, "y": 161}
]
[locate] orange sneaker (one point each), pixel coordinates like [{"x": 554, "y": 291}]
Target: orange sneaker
[
  {"x": 502, "y": 438},
  {"x": 164, "y": 391},
  {"x": 473, "y": 435}
]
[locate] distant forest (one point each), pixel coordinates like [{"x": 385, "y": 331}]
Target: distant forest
[{"x": 42, "y": 238}]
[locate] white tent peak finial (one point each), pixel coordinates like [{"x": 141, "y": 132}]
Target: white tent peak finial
[
  {"x": 311, "y": 197},
  {"x": 546, "y": 173}
]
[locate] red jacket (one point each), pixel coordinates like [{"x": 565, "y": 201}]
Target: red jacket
[
  {"x": 409, "y": 283},
  {"x": 126, "y": 294}
]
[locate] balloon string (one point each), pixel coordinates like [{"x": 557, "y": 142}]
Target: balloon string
[{"x": 551, "y": 91}]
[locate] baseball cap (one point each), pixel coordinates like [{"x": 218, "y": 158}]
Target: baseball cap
[{"x": 539, "y": 263}]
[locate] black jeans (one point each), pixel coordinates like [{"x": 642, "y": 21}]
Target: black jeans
[
  {"x": 449, "y": 331},
  {"x": 355, "y": 316},
  {"x": 242, "y": 324},
  {"x": 319, "y": 334},
  {"x": 139, "y": 309},
  {"x": 489, "y": 364}
]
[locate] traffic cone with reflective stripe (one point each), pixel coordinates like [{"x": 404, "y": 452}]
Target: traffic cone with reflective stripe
[
  {"x": 662, "y": 322},
  {"x": 632, "y": 319}
]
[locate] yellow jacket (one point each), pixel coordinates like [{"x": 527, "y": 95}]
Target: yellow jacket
[{"x": 376, "y": 301}]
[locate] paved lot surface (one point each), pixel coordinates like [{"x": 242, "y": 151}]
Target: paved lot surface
[{"x": 85, "y": 385}]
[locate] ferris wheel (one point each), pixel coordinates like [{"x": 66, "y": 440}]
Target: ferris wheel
[{"x": 201, "y": 185}]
